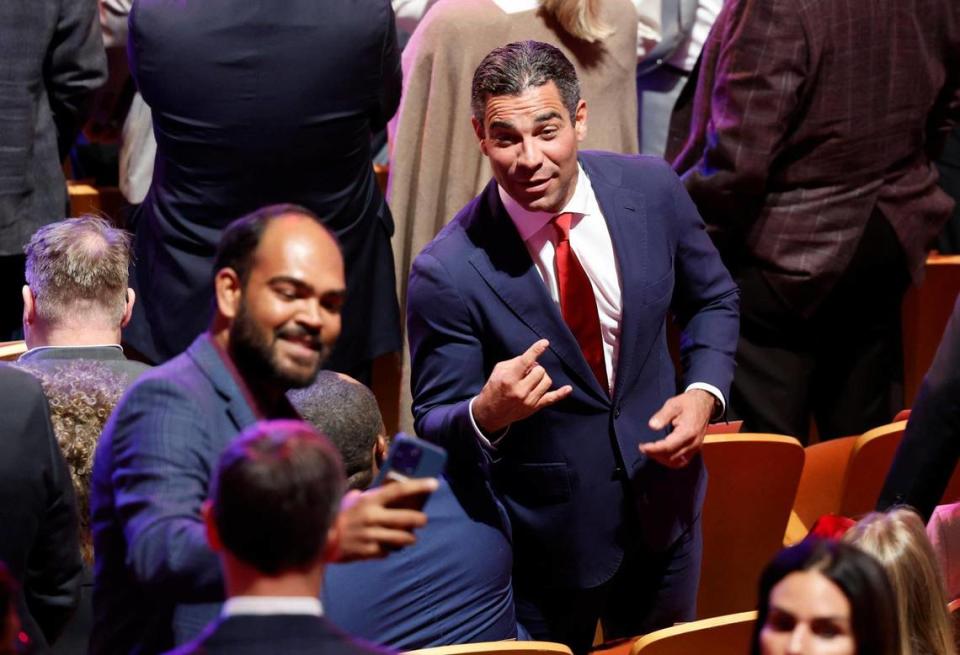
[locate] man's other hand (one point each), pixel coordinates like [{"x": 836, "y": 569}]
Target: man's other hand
[
  {"x": 689, "y": 413},
  {"x": 371, "y": 528},
  {"x": 516, "y": 389}
]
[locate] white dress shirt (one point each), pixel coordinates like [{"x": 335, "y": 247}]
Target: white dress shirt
[
  {"x": 269, "y": 605},
  {"x": 590, "y": 241}
]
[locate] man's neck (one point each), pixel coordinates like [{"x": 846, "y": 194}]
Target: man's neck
[
  {"x": 244, "y": 580},
  {"x": 68, "y": 337}
]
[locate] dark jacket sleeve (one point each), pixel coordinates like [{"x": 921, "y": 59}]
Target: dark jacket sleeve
[
  {"x": 391, "y": 75},
  {"x": 76, "y": 65},
  {"x": 52, "y": 579},
  {"x": 930, "y": 448}
]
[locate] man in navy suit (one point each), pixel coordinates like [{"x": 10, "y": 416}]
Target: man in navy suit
[
  {"x": 278, "y": 286},
  {"x": 453, "y": 586},
  {"x": 539, "y": 352},
  {"x": 271, "y": 519}
]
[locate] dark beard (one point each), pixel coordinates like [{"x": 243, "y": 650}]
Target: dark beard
[{"x": 255, "y": 358}]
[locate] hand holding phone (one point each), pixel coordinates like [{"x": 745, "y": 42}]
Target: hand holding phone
[
  {"x": 371, "y": 526},
  {"x": 411, "y": 458}
]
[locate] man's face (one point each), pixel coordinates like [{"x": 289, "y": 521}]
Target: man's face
[
  {"x": 532, "y": 146},
  {"x": 289, "y": 311}
]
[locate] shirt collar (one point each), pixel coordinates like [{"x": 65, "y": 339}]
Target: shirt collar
[
  {"x": 268, "y": 605},
  {"x": 38, "y": 349},
  {"x": 529, "y": 222}
]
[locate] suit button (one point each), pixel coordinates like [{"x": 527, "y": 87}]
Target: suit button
[{"x": 616, "y": 412}]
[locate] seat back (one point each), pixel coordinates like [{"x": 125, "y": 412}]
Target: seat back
[
  {"x": 10, "y": 351},
  {"x": 498, "y": 648},
  {"x": 720, "y": 635},
  {"x": 869, "y": 464},
  {"x": 752, "y": 484},
  {"x": 821, "y": 485}
]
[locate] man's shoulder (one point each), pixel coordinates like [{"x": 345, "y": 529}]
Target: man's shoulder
[
  {"x": 292, "y": 634},
  {"x": 177, "y": 382},
  {"x": 625, "y": 170}
]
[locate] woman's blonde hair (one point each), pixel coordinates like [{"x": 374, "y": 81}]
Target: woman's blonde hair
[
  {"x": 898, "y": 540},
  {"x": 580, "y": 18}
]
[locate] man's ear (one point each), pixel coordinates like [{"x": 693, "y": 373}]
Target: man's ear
[
  {"x": 128, "y": 308},
  {"x": 478, "y": 130},
  {"x": 332, "y": 546},
  {"x": 228, "y": 291},
  {"x": 210, "y": 525},
  {"x": 380, "y": 447},
  {"x": 580, "y": 120},
  {"x": 29, "y": 305}
]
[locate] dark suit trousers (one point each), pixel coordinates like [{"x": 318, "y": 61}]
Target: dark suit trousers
[
  {"x": 650, "y": 590},
  {"x": 843, "y": 366}
]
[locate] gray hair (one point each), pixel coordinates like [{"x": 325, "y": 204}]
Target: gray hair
[
  {"x": 512, "y": 69},
  {"x": 78, "y": 262}
]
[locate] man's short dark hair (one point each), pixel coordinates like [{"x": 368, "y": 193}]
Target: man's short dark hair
[
  {"x": 275, "y": 494},
  {"x": 512, "y": 69},
  {"x": 347, "y": 412},
  {"x": 241, "y": 238}
]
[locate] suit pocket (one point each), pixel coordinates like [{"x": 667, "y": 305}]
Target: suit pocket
[
  {"x": 536, "y": 484},
  {"x": 656, "y": 291}
]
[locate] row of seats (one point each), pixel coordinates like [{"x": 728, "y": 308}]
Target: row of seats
[{"x": 766, "y": 491}]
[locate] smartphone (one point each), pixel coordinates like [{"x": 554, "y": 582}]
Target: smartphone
[{"x": 410, "y": 457}]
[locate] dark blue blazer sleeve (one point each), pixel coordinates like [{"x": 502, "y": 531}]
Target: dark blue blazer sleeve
[{"x": 160, "y": 478}]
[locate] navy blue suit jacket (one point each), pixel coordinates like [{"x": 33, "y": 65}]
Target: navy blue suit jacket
[
  {"x": 287, "y": 634},
  {"x": 574, "y": 482},
  {"x": 156, "y": 581},
  {"x": 452, "y": 587},
  {"x": 254, "y": 104}
]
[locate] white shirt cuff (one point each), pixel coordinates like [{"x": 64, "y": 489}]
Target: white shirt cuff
[
  {"x": 713, "y": 391},
  {"x": 481, "y": 437}
]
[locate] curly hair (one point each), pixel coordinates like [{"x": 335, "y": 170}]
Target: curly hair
[{"x": 82, "y": 394}]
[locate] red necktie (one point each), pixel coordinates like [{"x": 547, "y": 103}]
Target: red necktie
[{"x": 577, "y": 302}]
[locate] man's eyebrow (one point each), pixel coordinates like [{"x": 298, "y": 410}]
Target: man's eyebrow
[
  {"x": 501, "y": 125},
  {"x": 547, "y": 116},
  {"x": 286, "y": 279}
]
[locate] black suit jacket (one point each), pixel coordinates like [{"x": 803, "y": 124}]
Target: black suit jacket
[
  {"x": 50, "y": 359},
  {"x": 38, "y": 513},
  {"x": 930, "y": 448},
  {"x": 255, "y": 104},
  {"x": 287, "y": 634},
  {"x": 53, "y": 60}
]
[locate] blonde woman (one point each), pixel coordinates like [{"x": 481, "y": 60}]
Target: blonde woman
[{"x": 898, "y": 540}]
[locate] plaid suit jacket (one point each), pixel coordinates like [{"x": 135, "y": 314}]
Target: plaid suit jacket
[
  {"x": 809, "y": 116},
  {"x": 51, "y": 60}
]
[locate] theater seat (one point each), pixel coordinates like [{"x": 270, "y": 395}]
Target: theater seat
[
  {"x": 10, "y": 351},
  {"x": 843, "y": 476},
  {"x": 720, "y": 635},
  {"x": 753, "y": 480},
  {"x": 498, "y": 648}
]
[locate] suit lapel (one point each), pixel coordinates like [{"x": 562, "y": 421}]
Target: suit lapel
[
  {"x": 209, "y": 360},
  {"x": 505, "y": 265}
]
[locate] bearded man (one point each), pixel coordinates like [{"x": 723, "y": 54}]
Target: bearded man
[{"x": 278, "y": 289}]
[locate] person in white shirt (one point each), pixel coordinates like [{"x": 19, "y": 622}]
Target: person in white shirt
[
  {"x": 670, "y": 36},
  {"x": 272, "y": 520}
]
